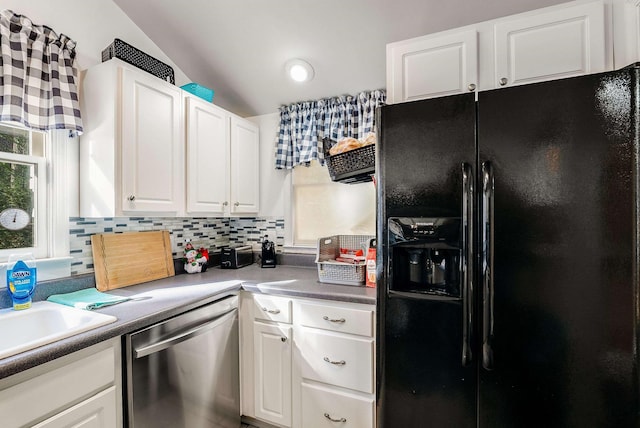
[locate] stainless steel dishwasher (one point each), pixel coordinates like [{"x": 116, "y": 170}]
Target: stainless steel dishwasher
[{"x": 184, "y": 372}]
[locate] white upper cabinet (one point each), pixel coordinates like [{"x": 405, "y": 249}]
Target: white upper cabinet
[
  {"x": 428, "y": 67},
  {"x": 559, "y": 41},
  {"x": 207, "y": 157},
  {"x": 245, "y": 166},
  {"x": 626, "y": 32},
  {"x": 150, "y": 148},
  {"x": 132, "y": 150},
  {"x": 151, "y": 144},
  {"x": 563, "y": 43}
]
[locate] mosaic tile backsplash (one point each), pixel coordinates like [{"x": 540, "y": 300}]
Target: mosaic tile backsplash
[{"x": 208, "y": 232}]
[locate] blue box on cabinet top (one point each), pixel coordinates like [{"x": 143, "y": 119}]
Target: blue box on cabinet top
[{"x": 199, "y": 91}]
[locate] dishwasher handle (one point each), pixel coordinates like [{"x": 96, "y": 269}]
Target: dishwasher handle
[{"x": 185, "y": 335}]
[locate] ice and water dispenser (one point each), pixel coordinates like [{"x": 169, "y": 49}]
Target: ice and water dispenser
[{"x": 425, "y": 255}]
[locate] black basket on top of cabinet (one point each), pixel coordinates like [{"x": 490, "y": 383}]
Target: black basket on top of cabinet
[
  {"x": 134, "y": 56},
  {"x": 355, "y": 166}
]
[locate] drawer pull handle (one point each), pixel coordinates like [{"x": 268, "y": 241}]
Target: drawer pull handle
[
  {"x": 328, "y": 416},
  {"x": 283, "y": 339},
  {"x": 340, "y": 320},
  {"x": 271, "y": 311},
  {"x": 337, "y": 363}
]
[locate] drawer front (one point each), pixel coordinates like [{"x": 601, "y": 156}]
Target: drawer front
[
  {"x": 56, "y": 389},
  {"x": 272, "y": 308},
  {"x": 336, "y": 360},
  {"x": 336, "y": 318},
  {"x": 323, "y": 407}
]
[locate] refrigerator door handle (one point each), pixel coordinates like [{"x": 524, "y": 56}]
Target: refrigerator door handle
[
  {"x": 466, "y": 265},
  {"x": 487, "y": 265}
]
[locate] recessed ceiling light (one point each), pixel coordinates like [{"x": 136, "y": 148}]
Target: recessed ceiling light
[{"x": 299, "y": 70}]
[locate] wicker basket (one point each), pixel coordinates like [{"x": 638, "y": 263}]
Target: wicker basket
[
  {"x": 354, "y": 166},
  {"x": 332, "y": 272},
  {"x": 134, "y": 56}
]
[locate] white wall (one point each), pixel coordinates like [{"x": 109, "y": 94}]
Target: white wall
[
  {"x": 93, "y": 24},
  {"x": 273, "y": 182}
]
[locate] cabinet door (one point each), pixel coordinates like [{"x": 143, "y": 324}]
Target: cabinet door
[
  {"x": 98, "y": 411},
  {"x": 245, "y": 161},
  {"x": 552, "y": 45},
  {"x": 432, "y": 66},
  {"x": 626, "y": 33},
  {"x": 272, "y": 371},
  {"x": 207, "y": 157},
  {"x": 151, "y": 144}
]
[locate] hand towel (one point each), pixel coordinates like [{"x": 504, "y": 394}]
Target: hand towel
[{"x": 88, "y": 298}]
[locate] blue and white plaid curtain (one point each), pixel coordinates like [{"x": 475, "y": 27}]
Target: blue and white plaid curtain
[
  {"x": 38, "y": 78},
  {"x": 304, "y": 125}
]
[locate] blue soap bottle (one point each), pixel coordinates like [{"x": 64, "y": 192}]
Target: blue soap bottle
[{"x": 21, "y": 280}]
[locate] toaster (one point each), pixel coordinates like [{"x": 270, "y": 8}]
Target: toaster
[{"x": 236, "y": 257}]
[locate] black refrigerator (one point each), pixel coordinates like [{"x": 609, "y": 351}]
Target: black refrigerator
[{"x": 508, "y": 257}]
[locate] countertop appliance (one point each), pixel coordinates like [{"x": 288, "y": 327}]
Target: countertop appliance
[
  {"x": 268, "y": 256},
  {"x": 236, "y": 257},
  {"x": 184, "y": 372},
  {"x": 525, "y": 315}
]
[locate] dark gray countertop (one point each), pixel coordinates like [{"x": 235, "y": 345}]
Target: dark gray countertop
[{"x": 168, "y": 297}]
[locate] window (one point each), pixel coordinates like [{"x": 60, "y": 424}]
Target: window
[
  {"x": 23, "y": 194},
  {"x": 38, "y": 175},
  {"x": 323, "y": 208}
]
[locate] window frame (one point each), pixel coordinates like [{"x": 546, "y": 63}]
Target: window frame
[{"x": 60, "y": 167}]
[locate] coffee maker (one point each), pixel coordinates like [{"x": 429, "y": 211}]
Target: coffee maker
[
  {"x": 268, "y": 257},
  {"x": 425, "y": 255}
]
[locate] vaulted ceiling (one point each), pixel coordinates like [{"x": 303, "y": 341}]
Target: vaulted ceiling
[{"x": 239, "y": 47}]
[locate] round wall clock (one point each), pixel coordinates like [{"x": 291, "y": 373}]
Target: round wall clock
[{"x": 14, "y": 218}]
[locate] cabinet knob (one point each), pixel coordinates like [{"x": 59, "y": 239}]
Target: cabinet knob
[
  {"x": 225, "y": 203},
  {"x": 328, "y": 416},
  {"x": 131, "y": 198},
  {"x": 472, "y": 86},
  {"x": 503, "y": 81},
  {"x": 283, "y": 339},
  {"x": 237, "y": 204}
]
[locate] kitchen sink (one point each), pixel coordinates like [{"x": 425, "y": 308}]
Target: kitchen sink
[{"x": 43, "y": 323}]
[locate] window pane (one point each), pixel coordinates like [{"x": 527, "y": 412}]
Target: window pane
[
  {"x": 324, "y": 208},
  {"x": 14, "y": 140},
  {"x": 17, "y": 191}
]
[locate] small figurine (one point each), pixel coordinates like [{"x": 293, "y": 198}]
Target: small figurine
[{"x": 195, "y": 260}]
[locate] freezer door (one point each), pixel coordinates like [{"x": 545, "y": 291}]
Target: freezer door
[
  {"x": 426, "y": 371},
  {"x": 559, "y": 163}
]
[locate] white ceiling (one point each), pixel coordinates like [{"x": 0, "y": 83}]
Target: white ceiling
[{"x": 240, "y": 47}]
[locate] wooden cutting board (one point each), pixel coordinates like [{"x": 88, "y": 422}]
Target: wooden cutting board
[{"x": 123, "y": 259}]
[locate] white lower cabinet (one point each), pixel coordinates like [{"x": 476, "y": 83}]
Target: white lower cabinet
[
  {"x": 307, "y": 363},
  {"x": 272, "y": 368},
  {"x": 83, "y": 389}
]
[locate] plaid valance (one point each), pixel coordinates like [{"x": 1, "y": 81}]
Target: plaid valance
[
  {"x": 304, "y": 125},
  {"x": 38, "y": 80}
]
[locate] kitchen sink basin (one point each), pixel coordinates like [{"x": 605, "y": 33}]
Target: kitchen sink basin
[{"x": 43, "y": 323}]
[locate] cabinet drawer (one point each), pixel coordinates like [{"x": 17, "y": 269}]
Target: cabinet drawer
[
  {"x": 272, "y": 308},
  {"x": 323, "y": 407},
  {"x": 336, "y": 360},
  {"x": 336, "y": 318},
  {"x": 56, "y": 389}
]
